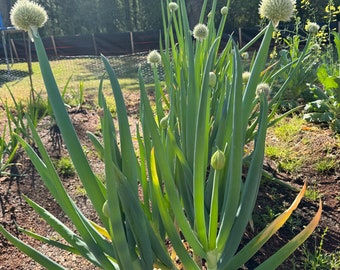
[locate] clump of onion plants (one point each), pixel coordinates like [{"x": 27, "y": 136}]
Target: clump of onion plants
[{"x": 190, "y": 165}]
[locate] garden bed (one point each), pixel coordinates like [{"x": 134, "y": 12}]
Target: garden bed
[{"x": 310, "y": 141}]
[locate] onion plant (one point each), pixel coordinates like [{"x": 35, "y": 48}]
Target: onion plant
[{"x": 198, "y": 184}]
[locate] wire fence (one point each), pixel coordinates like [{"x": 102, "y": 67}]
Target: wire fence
[{"x": 86, "y": 69}]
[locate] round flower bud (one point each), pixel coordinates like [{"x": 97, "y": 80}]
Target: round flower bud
[
  {"x": 164, "y": 122},
  {"x": 28, "y": 16},
  {"x": 277, "y": 10},
  {"x": 212, "y": 79},
  {"x": 224, "y": 11},
  {"x": 312, "y": 27},
  {"x": 154, "y": 58},
  {"x": 218, "y": 160},
  {"x": 245, "y": 76},
  {"x": 105, "y": 209},
  {"x": 173, "y": 6},
  {"x": 245, "y": 55},
  {"x": 263, "y": 88},
  {"x": 200, "y": 32}
]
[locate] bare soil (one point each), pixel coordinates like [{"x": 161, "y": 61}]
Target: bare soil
[{"x": 274, "y": 198}]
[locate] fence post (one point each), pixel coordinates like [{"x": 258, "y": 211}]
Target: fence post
[
  {"x": 54, "y": 47},
  {"x": 28, "y": 53},
  {"x": 14, "y": 49},
  {"x": 132, "y": 43}
]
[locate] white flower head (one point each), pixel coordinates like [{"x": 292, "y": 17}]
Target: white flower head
[
  {"x": 154, "y": 58},
  {"x": 200, "y": 32},
  {"x": 312, "y": 27},
  {"x": 28, "y": 16},
  {"x": 263, "y": 88},
  {"x": 173, "y": 6},
  {"x": 277, "y": 10}
]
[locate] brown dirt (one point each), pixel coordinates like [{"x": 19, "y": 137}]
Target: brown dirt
[{"x": 272, "y": 196}]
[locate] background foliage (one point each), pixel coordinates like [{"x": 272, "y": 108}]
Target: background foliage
[{"x": 95, "y": 16}]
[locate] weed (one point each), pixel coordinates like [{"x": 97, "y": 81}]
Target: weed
[
  {"x": 65, "y": 167},
  {"x": 294, "y": 223},
  {"x": 287, "y": 131},
  {"x": 325, "y": 165},
  {"x": 287, "y": 160},
  {"x": 318, "y": 259},
  {"x": 313, "y": 193},
  {"x": 81, "y": 190},
  {"x": 276, "y": 152},
  {"x": 291, "y": 164}
]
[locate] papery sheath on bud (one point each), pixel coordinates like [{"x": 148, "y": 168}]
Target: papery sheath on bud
[
  {"x": 212, "y": 79},
  {"x": 28, "y": 16},
  {"x": 218, "y": 160}
]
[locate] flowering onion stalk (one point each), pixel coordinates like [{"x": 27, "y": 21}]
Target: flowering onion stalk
[{"x": 190, "y": 165}]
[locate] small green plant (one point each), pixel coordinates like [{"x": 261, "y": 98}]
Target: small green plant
[
  {"x": 318, "y": 259},
  {"x": 8, "y": 150},
  {"x": 325, "y": 165},
  {"x": 291, "y": 164},
  {"x": 313, "y": 193},
  {"x": 276, "y": 152},
  {"x": 64, "y": 167},
  {"x": 75, "y": 97},
  {"x": 81, "y": 190}
]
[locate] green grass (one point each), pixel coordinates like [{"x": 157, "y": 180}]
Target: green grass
[
  {"x": 86, "y": 70},
  {"x": 313, "y": 193},
  {"x": 287, "y": 130},
  {"x": 325, "y": 165},
  {"x": 287, "y": 158}
]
